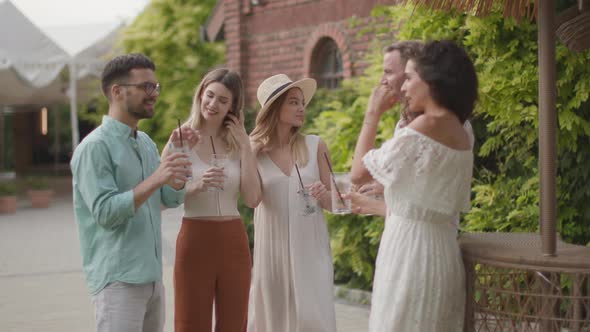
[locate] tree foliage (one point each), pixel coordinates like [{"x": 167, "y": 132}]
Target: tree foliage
[
  {"x": 168, "y": 31},
  {"x": 506, "y": 185}
]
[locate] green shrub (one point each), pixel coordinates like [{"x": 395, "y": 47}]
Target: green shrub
[
  {"x": 37, "y": 183},
  {"x": 7, "y": 188},
  {"x": 168, "y": 32}
]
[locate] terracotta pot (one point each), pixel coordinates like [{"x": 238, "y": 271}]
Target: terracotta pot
[
  {"x": 40, "y": 199},
  {"x": 7, "y": 204}
]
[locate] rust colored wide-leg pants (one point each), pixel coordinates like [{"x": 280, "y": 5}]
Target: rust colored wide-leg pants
[{"x": 212, "y": 264}]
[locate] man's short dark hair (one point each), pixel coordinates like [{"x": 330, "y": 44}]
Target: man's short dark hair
[
  {"x": 407, "y": 49},
  {"x": 120, "y": 67}
]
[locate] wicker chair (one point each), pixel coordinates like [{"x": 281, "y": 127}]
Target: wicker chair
[{"x": 512, "y": 287}]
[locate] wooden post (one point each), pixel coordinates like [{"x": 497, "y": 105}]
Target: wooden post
[
  {"x": 547, "y": 152},
  {"x": 547, "y": 125}
]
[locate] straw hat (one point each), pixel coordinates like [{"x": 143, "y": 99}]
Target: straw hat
[{"x": 273, "y": 87}]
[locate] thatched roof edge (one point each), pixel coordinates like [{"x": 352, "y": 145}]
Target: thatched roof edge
[{"x": 518, "y": 9}]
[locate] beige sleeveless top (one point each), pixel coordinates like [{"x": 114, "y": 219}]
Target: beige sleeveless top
[{"x": 210, "y": 203}]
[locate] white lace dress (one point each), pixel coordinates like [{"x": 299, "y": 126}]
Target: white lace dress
[
  {"x": 293, "y": 280},
  {"x": 419, "y": 282}
]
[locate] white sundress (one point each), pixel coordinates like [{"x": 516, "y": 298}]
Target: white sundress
[
  {"x": 293, "y": 278},
  {"x": 419, "y": 282}
]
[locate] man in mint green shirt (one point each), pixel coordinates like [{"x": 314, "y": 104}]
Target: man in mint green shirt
[{"x": 119, "y": 185}]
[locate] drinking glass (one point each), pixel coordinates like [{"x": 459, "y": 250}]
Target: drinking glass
[
  {"x": 341, "y": 184},
  {"x": 176, "y": 147},
  {"x": 309, "y": 204},
  {"x": 217, "y": 160}
]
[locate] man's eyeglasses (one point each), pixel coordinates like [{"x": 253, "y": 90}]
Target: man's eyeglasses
[{"x": 148, "y": 87}]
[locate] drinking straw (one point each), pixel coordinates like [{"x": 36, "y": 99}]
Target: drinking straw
[
  {"x": 299, "y": 175},
  {"x": 333, "y": 178},
  {"x": 180, "y": 133},
  {"x": 212, "y": 145}
]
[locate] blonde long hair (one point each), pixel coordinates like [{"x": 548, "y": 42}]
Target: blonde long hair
[
  {"x": 232, "y": 81},
  {"x": 266, "y": 130}
]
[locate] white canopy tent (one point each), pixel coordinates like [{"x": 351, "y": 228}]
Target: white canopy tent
[
  {"x": 36, "y": 71},
  {"x": 30, "y": 62},
  {"x": 84, "y": 68}
]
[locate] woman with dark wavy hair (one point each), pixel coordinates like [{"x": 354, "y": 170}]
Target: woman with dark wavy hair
[{"x": 426, "y": 171}]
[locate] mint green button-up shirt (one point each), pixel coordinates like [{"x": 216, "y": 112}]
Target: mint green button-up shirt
[{"x": 117, "y": 241}]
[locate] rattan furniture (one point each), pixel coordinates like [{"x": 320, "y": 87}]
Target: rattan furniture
[{"x": 511, "y": 286}]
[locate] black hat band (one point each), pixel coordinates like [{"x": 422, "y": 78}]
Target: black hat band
[{"x": 277, "y": 90}]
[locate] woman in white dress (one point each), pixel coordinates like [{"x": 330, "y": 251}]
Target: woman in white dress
[
  {"x": 426, "y": 171},
  {"x": 363, "y": 200},
  {"x": 292, "y": 282}
]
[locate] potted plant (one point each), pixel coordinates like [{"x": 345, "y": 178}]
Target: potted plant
[
  {"x": 7, "y": 197},
  {"x": 39, "y": 192}
]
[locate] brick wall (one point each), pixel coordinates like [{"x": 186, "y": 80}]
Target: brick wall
[{"x": 280, "y": 36}]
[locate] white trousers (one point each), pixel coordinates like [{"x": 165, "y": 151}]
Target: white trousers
[{"x": 123, "y": 307}]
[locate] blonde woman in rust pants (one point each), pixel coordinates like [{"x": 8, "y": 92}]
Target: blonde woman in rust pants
[{"x": 213, "y": 261}]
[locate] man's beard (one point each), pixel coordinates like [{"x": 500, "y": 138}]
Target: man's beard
[{"x": 139, "y": 112}]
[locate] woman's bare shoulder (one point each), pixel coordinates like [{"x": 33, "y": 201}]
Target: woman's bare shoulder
[{"x": 444, "y": 131}]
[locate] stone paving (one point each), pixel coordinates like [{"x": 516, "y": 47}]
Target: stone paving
[{"x": 41, "y": 281}]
